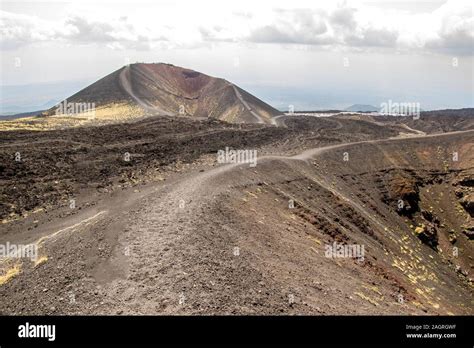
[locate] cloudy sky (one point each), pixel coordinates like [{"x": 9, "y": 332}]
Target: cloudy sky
[{"x": 311, "y": 54}]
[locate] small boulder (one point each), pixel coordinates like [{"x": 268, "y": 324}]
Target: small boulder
[
  {"x": 468, "y": 230},
  {"x": 427, "y": 234},
  {"x": 468, "y": 203}
]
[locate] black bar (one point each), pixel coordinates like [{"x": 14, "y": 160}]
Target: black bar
[{"x": 295, "y": 330}]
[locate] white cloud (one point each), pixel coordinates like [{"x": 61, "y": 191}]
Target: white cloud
[
  {"x": 343, "y": 17},
  {"x": 455, "y": 29},
  {"x": 301, "y": 26},
  {"x": 372, "y": 37},
  {"x": 17, "y": 30},
  {"x": 353, "y": 25}
]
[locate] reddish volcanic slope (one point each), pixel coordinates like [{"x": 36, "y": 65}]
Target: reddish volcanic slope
[{"x": 164, "y": 89}]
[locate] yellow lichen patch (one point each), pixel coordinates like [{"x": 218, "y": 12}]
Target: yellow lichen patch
[
  {"x": 426, "y": 293},
  {"x": 415, "y": 271},
  {"x": 251, "y": 194},
  {"x": 106, "y": 114},
  {"x": 397, "y": 264},
  {"x": 367, "y": 298},
  {"x": 417, "y": 304},
  {"x": 316, "y": 240},
  {"x": 41, "y": 260},
  {"x": 420, "y": 229},
  {"x": 373, "y": 288},
  {"x": 412, "y": 278},
  {"x": 9, "y": 274}
]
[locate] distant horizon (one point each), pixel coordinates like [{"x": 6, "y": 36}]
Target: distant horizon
[
  {"x": 62, "y": 89},
  {"x": 306, "y": 53},
  {"x": 54, "y": 99}
]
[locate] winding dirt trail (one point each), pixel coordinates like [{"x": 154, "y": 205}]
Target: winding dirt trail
[
  {"x": 280, "y": 122},
  {"x": 162, "y": 255},
  {"x": 247, "y": 106},
  {"x": 126, "y": 84}
]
